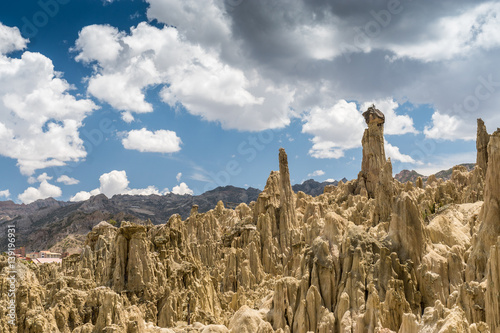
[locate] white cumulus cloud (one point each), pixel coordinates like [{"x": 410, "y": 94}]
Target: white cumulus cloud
[
  {"x": 192, "y": 76},
  {"x": 39, "y": 118},
  {"x": 5, "y": 194},
  {"x": 161, "y": 141},
  {"x": 84, "y": 195},
  {"x": 115, "y": 182},
  {"x": 40, "y": 178},
  {"x": 335, "y": 129},
  {"x": 450, "y": 127},
  {"x": 179, "y": 176},
  {"x": 11, "y": 39},
  {"x": 182, "y": 189},
  {"x": 44, "y": 191},
  {"x": 144, "y": 191},
  {"x": 316, "y": 173},
  {"x": 67, "y": 180},
  {"x": 395, "y": 155}
]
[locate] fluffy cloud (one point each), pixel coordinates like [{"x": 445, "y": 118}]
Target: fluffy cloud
[
  {"x": 182, "y": 189},
  {"x": 422, "y": 53},
  {"x": 5, "y": 194},
  {"x": 116, "y": 182},
  {"x": 335, "y": 129},
  {"x": 67, "y": 180},
  {"x": 220, "y": 64},
  {"x": 201, "y": 22},
  {"x": 395, "y": 155},
  {"x": 45, "y": 190},
  {"x": 39, "y": 119},
  {"x": 84, "y": 195},
  {"x": 316, "y": 173},
  {"x": 40, "y": 178},
  {"x": 456, "y": 35},
  {"x": 161, "y": 141},
  {"x": 11, "y": 39},
  {"x": 178, "y": 177},
  {"x": 450, "y": 127},
  {"x": 144, "y": 191},
  {"x": 192, "y": 77}
]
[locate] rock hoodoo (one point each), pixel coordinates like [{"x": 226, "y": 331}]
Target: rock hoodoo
[
  {"x": 489, "y": 229},
  {"x": 373, "y": 149},
  {"x": 482, "y": 140},
  {"x": 369, "y": 255}
]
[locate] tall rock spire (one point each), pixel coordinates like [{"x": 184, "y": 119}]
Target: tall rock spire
[
  {"x": 373, "y": 149},
  {"x": 489, "y": 230},
  {"x": 287, "y": 203},
  {"x": 482, "y": 140}
]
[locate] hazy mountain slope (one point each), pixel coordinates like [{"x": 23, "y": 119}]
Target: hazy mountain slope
[
  {"x": 43, "y": 223},
  {"x": 407, "y": 175}
]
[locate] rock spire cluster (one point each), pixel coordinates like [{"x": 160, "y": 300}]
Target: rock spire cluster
[{"x": 369, "y": 255}]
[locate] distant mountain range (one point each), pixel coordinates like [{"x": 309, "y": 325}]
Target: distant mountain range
[
  {"x": 313, "y": 187},
  {"x": 407, "y": 175},
  {"x": 50, "y": 223}
]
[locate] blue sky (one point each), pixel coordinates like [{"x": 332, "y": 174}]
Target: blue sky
[{"x": 162, "y": 96}]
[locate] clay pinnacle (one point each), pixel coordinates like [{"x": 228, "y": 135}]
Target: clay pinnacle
[{"x": 374, "y": 115}]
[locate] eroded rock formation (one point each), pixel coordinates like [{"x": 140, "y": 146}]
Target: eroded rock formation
[
  {"x": 482, "y": 140},
  {"x": 373, "y": 149},
  {"x": 402, "y": 259},
  {"x": 489, "y": 229}
]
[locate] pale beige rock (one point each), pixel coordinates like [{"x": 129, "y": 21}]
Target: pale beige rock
[
  {"x": 373, "y": 151},
  {"x": 482, "y": 140},
  {"x": 384, "y": 194},
  {"x": 287, "y": 263},
  {"x": 287, "y": 218},
  {"x": 247, "y": 320},
  {"x": 492, "y": 300},
  {"x": 407, "y": 231},
  {"x": 489, "y": 229}
]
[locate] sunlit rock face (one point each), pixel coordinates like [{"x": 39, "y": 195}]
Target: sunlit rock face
[
  {"x": 373, "y": 149},
  {"x": 482, "y": 141},
  {"x": 369, "y": 255}
]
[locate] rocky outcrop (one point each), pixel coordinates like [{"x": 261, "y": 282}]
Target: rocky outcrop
[
  {"x": 410, "y": 259},
  {"x": 287, "y": 218},
  {"x": 384, "y": 194},
  {"x": 489, "y": 228},
  {"x": 373, "y": 149},
  {"x": 492, "y": 299},
  {"x": 482, "y": 140},
  {"x": 407, "y": 231}
]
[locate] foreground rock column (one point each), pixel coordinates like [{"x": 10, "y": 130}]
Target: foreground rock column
[
  {"x": 407, "y": 231},
  {"x": 482, "y": 140},
  {"x": 287, "y": 204},
  {"x": 373, "y": 149},
  {"x": 490, "y": 214},
  {"x": 492, "y": 304},
  {"x": 384, "y": 196}
]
